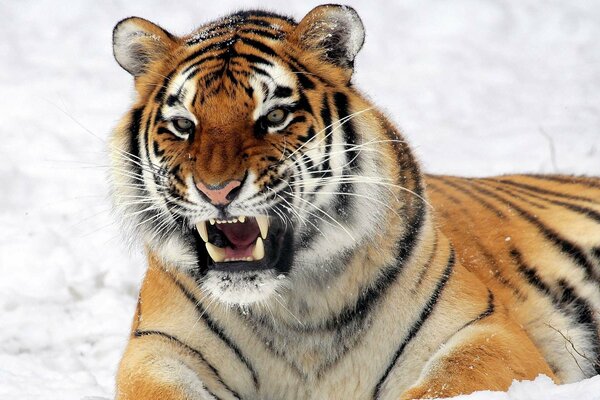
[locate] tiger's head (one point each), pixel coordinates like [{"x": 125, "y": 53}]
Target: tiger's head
[{"x": 243, "y": 157}]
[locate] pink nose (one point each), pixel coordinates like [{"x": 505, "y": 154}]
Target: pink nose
[{"x": 220, "y": 194}]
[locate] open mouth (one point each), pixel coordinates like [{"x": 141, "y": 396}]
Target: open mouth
[{"x": 241, "y": 243}]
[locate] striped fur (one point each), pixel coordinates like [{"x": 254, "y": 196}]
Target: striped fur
[{"x": 390, "y": 285}]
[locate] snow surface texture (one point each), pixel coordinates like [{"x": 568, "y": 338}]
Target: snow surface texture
[{"x": 479, "y": 88}]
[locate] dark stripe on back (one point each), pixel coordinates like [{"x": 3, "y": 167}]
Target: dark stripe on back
[
  {"x": 540, "y": 190},
  {"x": 512, "y": 192},
  {"x": 484, "y": 203},
  {"x": 568, "y": 248},
  {"x": 189, "y": 349},
  {"x": 414, "y": 330},
  {"x": 578, "y": 180},
  {"x": 585, "y": 211}
]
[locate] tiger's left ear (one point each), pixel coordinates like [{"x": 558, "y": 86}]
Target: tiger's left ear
[
  {"x": 334, "y": 31},
  {"x": 138, "y": 42}
]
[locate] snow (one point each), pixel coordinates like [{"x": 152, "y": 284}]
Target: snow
[{"x": 479, "y": 88}]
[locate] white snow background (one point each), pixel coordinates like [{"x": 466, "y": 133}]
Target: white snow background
[{"x": 478, "y": 87}]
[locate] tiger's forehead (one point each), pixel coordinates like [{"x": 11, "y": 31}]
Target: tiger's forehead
[{"x": 230, "y": 87}]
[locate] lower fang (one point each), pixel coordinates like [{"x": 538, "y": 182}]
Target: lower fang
[{"x": 259, "y": 250}]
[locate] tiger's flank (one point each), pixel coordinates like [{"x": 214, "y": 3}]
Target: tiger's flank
[{"x": 297, "y": 251}]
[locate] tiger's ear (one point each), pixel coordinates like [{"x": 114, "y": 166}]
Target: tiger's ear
[
  {"x": 335, "y": 31},
  {"x": 138, "y": 42}
]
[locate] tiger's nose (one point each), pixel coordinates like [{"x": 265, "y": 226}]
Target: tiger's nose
[{"x": 220, "y": 195}]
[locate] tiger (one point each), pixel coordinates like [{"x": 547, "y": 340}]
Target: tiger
[{"x": 296, "y": 249}]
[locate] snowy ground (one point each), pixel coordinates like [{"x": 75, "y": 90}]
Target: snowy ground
[{"x": 479, "y": 88}]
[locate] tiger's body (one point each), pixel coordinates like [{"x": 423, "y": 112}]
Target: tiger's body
[{"x": 372, "y": 280}]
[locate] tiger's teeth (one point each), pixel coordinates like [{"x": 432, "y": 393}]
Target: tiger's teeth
[
  {"x": 212, "y": 221},
  {"x": 201, "y": 226},
  {"x": 242, "y": 219},
  {"x": 263, "y": 225},
  {"x": 259, "y": 250},
  {"x": 216, "y": 253}
]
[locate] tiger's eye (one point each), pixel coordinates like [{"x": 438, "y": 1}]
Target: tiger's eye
[
  {"x": 276, "y": 116},
  {"x": 183, "y": 125}
]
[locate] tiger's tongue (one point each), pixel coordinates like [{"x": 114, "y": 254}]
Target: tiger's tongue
[{"x": 241, "y": 237}]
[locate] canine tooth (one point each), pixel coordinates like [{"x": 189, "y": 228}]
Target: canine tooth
[
  {"x": 263, "y": 225},
  {"x": 212, "y": 221},
  {"x": 259, "y": 250},
  {"x": 216, "y": 253},
  {"x": 242, "y": 219},
  {"x": 201, "y": 226}
]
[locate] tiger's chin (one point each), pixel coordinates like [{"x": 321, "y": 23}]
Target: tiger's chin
[
  {"x": 242, "y": 287},
  {"x": 247, "y": 257}
]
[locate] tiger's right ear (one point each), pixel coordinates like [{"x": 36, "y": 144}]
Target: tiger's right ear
[{"x": 138, "y": 42}]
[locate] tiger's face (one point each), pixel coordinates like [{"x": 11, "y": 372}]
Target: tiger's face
[{"x": 239, "y": 160}]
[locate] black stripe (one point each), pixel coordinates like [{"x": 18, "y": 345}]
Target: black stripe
[
  {"x": 491, "y": 308},
  {"x": 260, "y": 71},
  {"x": 157, "y": 150},
  {"x": 414, "y": 330},
  {"x": 584, "y": 313},
  {"x": 304, "y": 80},
  {"x": 327, "y": 124},
  {"x": 596, "y": 253},
  {"x": 211, "y": 57},
  {"x": 252, "y": 58},
  {"x": 540, "y": 190},
  {"x": 172, "y": 100},
  {"x": 568, "y": 248},
  {"x": 512, "y": 192},
  {"x": 189, "y": 349},
  {"x": 303, "y": 103},
  {"x": 259, "y": 46},
  {"x": 485, "y": 204},
  {"x": 297, "y": 120},
  {"x": 436, "y": 188},
  {"x": 371, "y": 295},
  {"x": 586, "y": 211},
  {"x": 428, "y": 264},
  {"x": 566, "y": 301},
  {"x": 578, "y": 180},
  {"x": 530, "y": 274},
  {"x": 282, "y": 92},
  {"x": 160, "y": 94},
  {"x": 214, "y": 46},
  {"x": 134, "y": 141},
  {"x": 350, "y": 137},
  {"x": 261, "y": 32},
  {"x": 216, "y": 329}
]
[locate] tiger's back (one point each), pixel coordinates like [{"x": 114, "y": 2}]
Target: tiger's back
[{"x": 535, "y": 240}]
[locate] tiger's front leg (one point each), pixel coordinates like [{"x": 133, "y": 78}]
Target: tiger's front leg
[
  {"x": 155, "y": 368},
  {"x": 483, "y": 356}
]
